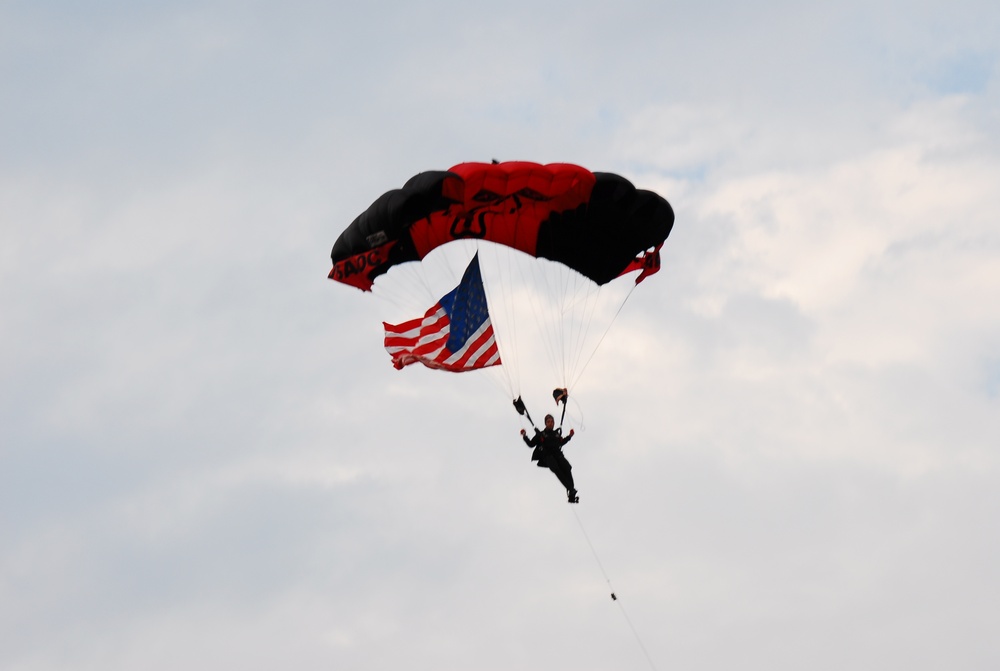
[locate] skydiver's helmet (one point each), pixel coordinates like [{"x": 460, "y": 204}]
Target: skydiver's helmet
[{"x": 560, "y": 395}]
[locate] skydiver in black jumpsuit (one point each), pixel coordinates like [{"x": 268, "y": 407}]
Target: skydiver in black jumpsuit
[{"x": 548, "y": 453}]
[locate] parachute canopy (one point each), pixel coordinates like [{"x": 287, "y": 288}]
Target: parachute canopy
[
  {"x": 596, "y": 223},
  {"x": 511, "y": 266}
]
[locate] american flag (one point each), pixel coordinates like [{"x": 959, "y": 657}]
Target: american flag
[{"x": 455, "y": 334}]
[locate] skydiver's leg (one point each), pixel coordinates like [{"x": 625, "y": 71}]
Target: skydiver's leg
[
  {"x": 564, "y": 472},
  {"x": 568, "y": 474}
]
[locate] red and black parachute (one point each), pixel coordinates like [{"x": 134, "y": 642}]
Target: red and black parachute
[
  {"x": 543, "y": 244},
  {"x": 596, "y": 223}
]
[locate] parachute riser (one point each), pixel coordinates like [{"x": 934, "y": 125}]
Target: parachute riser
[
  {"x": 561, "y": 395},
  {"x": 523, "y": 411}
]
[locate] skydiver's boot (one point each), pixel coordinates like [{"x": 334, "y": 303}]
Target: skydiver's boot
[{"x": 571, "y": 495}]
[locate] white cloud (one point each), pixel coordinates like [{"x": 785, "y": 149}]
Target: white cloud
[{"x": 787, "y": 441}]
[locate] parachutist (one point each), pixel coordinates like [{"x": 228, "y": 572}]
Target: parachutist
[{"x": 548, "y": 453}]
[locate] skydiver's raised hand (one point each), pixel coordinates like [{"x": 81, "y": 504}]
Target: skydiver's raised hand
[
  {"x": 571, "y": 432},
  {"x": 523, "y": 432}
]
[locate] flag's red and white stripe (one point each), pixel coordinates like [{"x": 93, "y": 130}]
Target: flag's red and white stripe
[{"x": 424, "y": 340}]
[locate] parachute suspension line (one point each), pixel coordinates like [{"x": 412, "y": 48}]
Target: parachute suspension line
[
  {"x": 535, "y": 276},
  {"x": 401, "y": 288},
  {"x": 567, "y": 324},
  {"x": 564, "y": 289},
  {"x": 577, "y": 294},
  {"x": 500, "y": 380},
  {"x": 418, "y": 286},
  {"x": 604, "y": 335},
  {"x": 511, "y": 333},
  {"x": 614, "y": 596},
  {"x": 554, "y": 341},
  {"x": 589, "y": 301},
  {"x": 505, "y": 331},
  {"x": 587, "y": 297}
]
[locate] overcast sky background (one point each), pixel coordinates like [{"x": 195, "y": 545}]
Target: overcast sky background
[{"x": 789, "y": 458}]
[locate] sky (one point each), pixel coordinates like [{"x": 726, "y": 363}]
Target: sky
[{"x": 787, "y": 447}]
